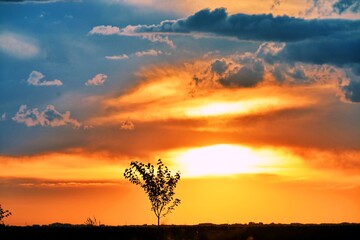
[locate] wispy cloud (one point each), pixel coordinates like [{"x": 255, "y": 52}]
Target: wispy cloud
[
  {"x": 98, "y": 80},
  {"x": 18, "y": 46},
  {"x": 48, "y": 117},
  {"x": 3, "y": 117},
  {"x": 128, "y": 31},
  {"x": 117, "y": 57},
  {"x": 35, "y": 79},
  {"x": 342, "y": 6},
  {"x": 158, "y": 38},
  {"x": 330, "y": 7},
  {"x": 151, "y": 52},
  {"x": 105, "y": 30}
]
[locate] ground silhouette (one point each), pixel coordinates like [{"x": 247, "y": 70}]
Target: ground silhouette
[{"x": 57, "y": 231}]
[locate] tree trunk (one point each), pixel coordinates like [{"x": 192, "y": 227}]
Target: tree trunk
[{"x": 158, "y": 221}]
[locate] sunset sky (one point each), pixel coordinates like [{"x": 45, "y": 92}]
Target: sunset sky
[{"x": 256, "y": 103}]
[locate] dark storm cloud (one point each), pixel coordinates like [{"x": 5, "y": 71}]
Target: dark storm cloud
[
  {"x": 263, "y": 27},
  {"x": 312, "y": 41},
  {"x": 338, "y": 50},
  {"x": 317, "y": 41},
  {"x": 219, "y": 66},
  {"x": 352, "y": 91},
  {"x": 245, "y": 76}
]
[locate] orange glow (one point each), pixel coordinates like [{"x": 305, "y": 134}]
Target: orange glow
[
  {"x": 231, "y": 108},
  {"x": 169, "y": 90},
  {"x": 289, "y": 7},
  {"x": 247, "y": 179},
  {"x": 260, "y": 126},
  {"x": 65, "y": 166}
]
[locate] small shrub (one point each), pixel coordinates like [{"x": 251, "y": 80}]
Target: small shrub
[{"x": 92, "y": 222}]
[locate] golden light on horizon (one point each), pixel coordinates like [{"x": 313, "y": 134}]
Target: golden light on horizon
[
  {"x": 228, "y": 159},
  {"x": 64, "y": 166}
]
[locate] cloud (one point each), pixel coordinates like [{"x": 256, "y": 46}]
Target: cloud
[
  {"x": 329, "y": 7},
  {"x": 325, "y": 8},
  {"x": 48, "y": 117},
  {"x": 352, "y": 91},
  {"x": 47, "y": 183},
  {"x": 3, "y": 117},
  {"x": 111, "y": 30},
  {"x": 117, "y": 57},
  {"x": 35, "y": 77},
  {"x": 306, "y": 115},
  {"x": 342, "y": 6},
  {"x": 340, "y": 50},
  {"x": 99, "y": 79},
  {"x": 18, "y": 46},
  {"x": 159, "y": 38},
  {"x": 172, "y": 87},
  {"x": 261, "y": 27},
  {"x": 105, "y": 30},
  {"x": 268, "y": 51},
  {"x": 150, "y": 52},
  {"x": 219, "y": 66},
  {"x": 244, "y": 77},
  {"x": 249, "y": 73},
  {"x": 266, "y": 67},
  {"x": 319, "y": 41}
]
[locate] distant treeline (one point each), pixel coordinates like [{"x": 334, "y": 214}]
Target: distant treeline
[{"x": 251, "y": 231}]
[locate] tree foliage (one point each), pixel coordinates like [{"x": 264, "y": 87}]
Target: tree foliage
[
  {"x": 158, "y": 184},
  {"x": 3, "y": 214}
]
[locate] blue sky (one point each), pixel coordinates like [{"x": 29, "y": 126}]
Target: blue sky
[
  {"x": 57, "y": 44},
  {"x": 66, "y": 54}
]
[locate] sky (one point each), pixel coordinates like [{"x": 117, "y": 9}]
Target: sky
[{"x": 256, "y": 103}]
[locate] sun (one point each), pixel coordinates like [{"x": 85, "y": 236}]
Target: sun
[{"x": 227, "y": 159}]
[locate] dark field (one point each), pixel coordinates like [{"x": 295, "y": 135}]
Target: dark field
[{"x": 196, "y": 232}]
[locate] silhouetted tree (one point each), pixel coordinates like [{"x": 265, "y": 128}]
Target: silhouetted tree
[
  {"x": 159, "y": 185},
  {"x": 3, "y": 214}
]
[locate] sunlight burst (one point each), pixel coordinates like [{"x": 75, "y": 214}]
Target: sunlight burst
[
  {"x": 230, "y": 108},
  {"x": 226, "y": 159}
]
